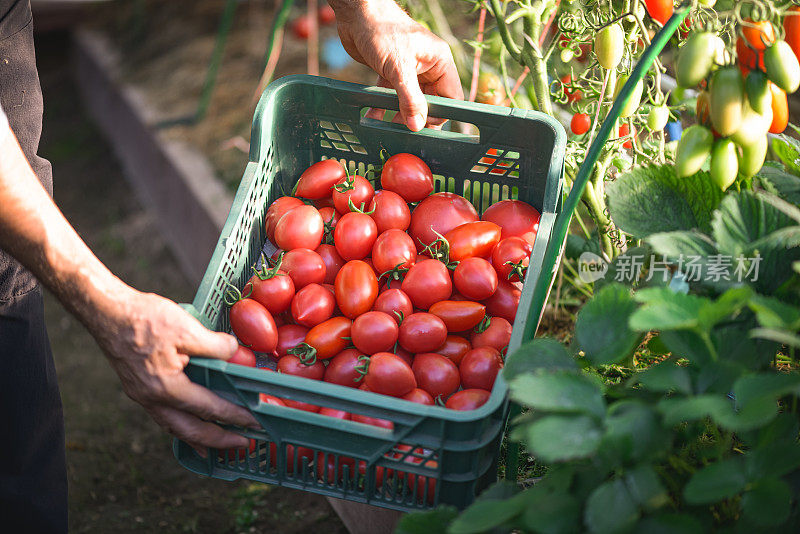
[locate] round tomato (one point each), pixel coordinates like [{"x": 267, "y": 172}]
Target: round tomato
[
  {"x": 277, "y": 210},
  {"x": 327, "y": 339},
  {"x": 724, "y": 163},
  {"x": 355, "y": 189},
  {"x": 473, "y": 239},
  {"x": 510, "y": 259},
  {"x": 422, "y": 332},
  {"x": 272, "y": 288},
  {"x": 243, "y": 356},
  {"x": 374, "y": 331},
  {"x": 459, "y": 316},
  {"x": 326, "y": 15},
  {"x": 436, "y": 374},
  {"x": 420, "y": 396},
  {"x": 300, "y": 227},
  {"x": 312, "y": 305},
  {"x": 318, "y": 180},
  {"x": 393, "y": 249},
  {"x": 759, "y": 35},
  {"x": 693, "y": 150},
  {"x": 389, "y": 211},
  {"x": 333, "y": 262},
  {"x": 580, "y": 123},
  {"x": 395, "y": 303},
  {"x": 354, "y": 235},
  {"x": 468, "y": 399},
  {"x": 408, "y": 176},
  {"x": 404, "y": 355},
  {"x": 342, "y": 369},
  {"x": 609, "y": 45},
  {"x": 301, "y": 28},
  {"x": 454, "y": 348},
  {"x": 782, "y": 66},
  {"x": 659, "y": 10},
  {"x": 304, "y": 266},
  {"x": 336, "y": 414},
  {"x": 427, "y": 282},
  {"x": 253, "y": 325},
  {"x": 475, "y": 278},
  {"x": 292, "y": 365},
  {"x": 479, "y": 368},
  {"x": 289, "y": 336},
  {"x": 497, "y": 335},
  {"x": 389, "y": 375},
  {"x": 440, "y": 213},
  {"x": 780, "y": 109},
  {"x": 515, "y": 217},
  {"x": 356, "y": 288},
  {"x": 504, "y": 302}
]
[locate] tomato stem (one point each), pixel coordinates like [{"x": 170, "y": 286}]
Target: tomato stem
[
  {"x": 305, "y": 353},
  {"x": 362, "y": 209}
]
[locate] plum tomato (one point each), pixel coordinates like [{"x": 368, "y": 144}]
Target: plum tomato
[
  {"x": 408, "y": 176},
  {"x": 341, "y": 369},
  {"x": 504, "y": 302},
  {"x": 388, "y": 374},
  {"x": 426, "y": 283},
  {"x": 291, "y": 365},
  {"x": 510, "y": 259},
  {"x": 395, "y": 303},
  {"x": 318, "y": 180},
  {"x": 479, "y": 368},
  {"x": 243, "y": 356},
  {"x": 253, "y": 325},
  {"x": 454, "y": 348},
  {"x": 356, "y": 288},
  {"x": 473, "y": 239},
  {"x": 515, "y": 217},
  {"x": 277, "y": 210},
  {"x": 270, "y": 399},
  {"x": 336, "y": 414},
  {"x": 374, "y": 421},
  {"x": 272, "y": 288},
  {"x": 300, "y": 227},
  {"x": 475, "y": 278},
  {"x": 496, "y": 335},
  {"x": 393, "y": 249},
  {"x": 289, "y": 336},
  {"x": 468, "y": 399},
  {"x": 312, "y": 305},
  {"x": 436, "y": 374},
  {"x": 304, "y": 266},
  {"x": 459, "y": 315},
  {"x": 374, "y": 331},
  {"x": 354, "y": 235},
  {"x": 422, "y": 332},
  {"x": 440, "y": 212},
  {"x": 420, "y": 396},
  {"x": 333, "y": 262},
  {"x": 389, "y": 210},
  {"x": 355, "y": 189},
  {"x": 300, "y": 405},
  {"x": 326, "y": 340},
  {"x": 405, "y": 355}
]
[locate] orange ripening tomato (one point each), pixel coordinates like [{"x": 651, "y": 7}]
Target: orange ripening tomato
[
  {"x": 780, "y": 109},
  {"x": 791, "y": 24},
  {"x": 660, "y": 10},
  {"x": 624, "y": 130},
  {"x": 759, "y": 34},
  {"x": 703, "y": 108},
  {"x": 748, "y": 58}
]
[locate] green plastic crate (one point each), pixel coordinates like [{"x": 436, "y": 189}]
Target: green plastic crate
[{"x": 453, "y": 455}]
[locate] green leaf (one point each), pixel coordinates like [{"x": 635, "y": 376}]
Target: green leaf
[
  {"x": 787, "y": 150},
  {"x": 562, "y": 391},
  {"x": 646, "y": 488},
  {"x": 781, "y": 183},
  {"x": 664, "y": 309},
  {"x": 765, "y": 385},
  {"x": 675, "y": 245},
  {"x": 626, "y": 268},
  {"x": 778, "y": 336},
  {"x": 601, "y": 329},
  {"x": 635, "y": 197},
  {"x": 773, "y": 313},
  {"x": 577, "y": 245},
  {"x": 432, "y": 522},
  {"x": 559, "y": 438},
  {"x": 687, "y": 344},
  {"x": 486, "y": 514},
  {"x": 773, "y": 459},
  {"x": 767, "y": 503},
  {"x": 550, "y": 513},
  {"x": 715, "y": 482},
  {"x": 679, "y": 410},
  {"x": 610, "y": 509},
  {"x": 665, "y": 377},
  {"x": 670, "y": 524},
  {"x": 633, "y": 432},
  {"x": 540, "y": 354}
]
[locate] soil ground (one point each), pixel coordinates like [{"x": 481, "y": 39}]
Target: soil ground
[{"x": 122, "y": 475}]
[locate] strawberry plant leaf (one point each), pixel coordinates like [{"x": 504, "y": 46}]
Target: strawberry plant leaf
[
  {"x": 558, "y": 438},
  {"x": 542, "y": 354},
  {"x": 768, "y": 503},
  {"x": 562, "y": 391},
  {"x": 715, "y": 482},
  {"x": 613, "y": 495},
  {"x": 601, "y": 329}
]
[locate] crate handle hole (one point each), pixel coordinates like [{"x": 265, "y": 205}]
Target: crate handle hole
[{"x": 374, "y": 117}]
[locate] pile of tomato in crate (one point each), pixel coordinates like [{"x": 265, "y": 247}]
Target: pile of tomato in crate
[{"x": 396, "y": 291}]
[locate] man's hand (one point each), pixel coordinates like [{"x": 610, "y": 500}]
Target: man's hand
[{"x": 406, "y": 56}]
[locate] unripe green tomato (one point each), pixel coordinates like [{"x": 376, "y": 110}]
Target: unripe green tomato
[
  {"x": 609, "y": 45},
  {"x": 657, "y": 118},
  {"x": 751, "y": 157},
  {"x": 567, "y": 55},
  {"x": 756, "y": 86},
  {"x": 696, "y": 58},
  {"x": 635, "y": 98},
  {"x": 754, "y": 125},
  {"x": 724, "y": 163},
  {"x": 727, "y": 95},
  {"x": 693, "y": 149},
  {"x": 782, "y": 66}
]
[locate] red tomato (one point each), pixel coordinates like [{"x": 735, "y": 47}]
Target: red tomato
[
  {"x": 333, "y": 262},
  {"x": 759, "y": 35},
  {"x": 420, "y": 396},
  {"x": 342, "y": 369},
  {"x": 504, "y": 302},
  {"x": 459, "y": 316},
  {"x": 303, "y": 456},
  {"x": 243, "y": 356},
  {"x": 427, "y": 282},
  {"x": 374, "y": 421},
  {"x": 332, "y": 471},
  {"x": 479, "y": 368},
  {"x": 272, "y": 288},
  {"x": 791, "y": 24},
  {"x": 511, "y": 257},
  {"x": 374, "y": 331},
  {"x": 496, "y": 335},
  {"x": 780, "y": 109},
  {"x": 422, "y": 332},
  {"x": 405, "y": 355},
  {"x": 389, "y": 210},
  {"x": 253, "y": 325},
  {"x": 454, "y": 348},
  {"x": 395, "y": 303},
  {"x": 659, "y": 10},
  {"x": 336, "y": 414},
  {"x": 237, "y": 455},
  {"x": 354, "y": 235},
  {"x": 393, "y": 249},
  {"x": 329, "y": 338},
  {"x": 270, "y": 399},
  {"x": 304, "y": 266},
  {"x": 277, "y": 210},
  {"x": 624, "y": 130},
  {"x": 317, "y": 181},
  {"x": 580, "y": 123},
  {"x": 389, "y": 375},
  {"x": 408, "y": 176},
  {"x": 353, "y": 188},
  {"x": 301, "y": 28},
  {"x": 515, "y": 217},
  {"x": 436, "y": 374},
  {"x": 289, "y": 336},
  {"x": 440, "y": 213},
  {"x": 300, "y": 227},
  {"x": 312, "y": 305},
  {"x": 475, "y": 278},
  {"x": 473, "y": 239},
  {"x": 322, "y": 203},
  {"x": 356, "y": 288},
  {"x": 468, "y": 399},
  {"x": 291, "y": 365},
  {"x": 299, "y": 405},
  {"x": 326, "y": 15}
]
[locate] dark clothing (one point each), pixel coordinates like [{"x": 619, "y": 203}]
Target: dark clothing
[{"x": 33, "y": 479}]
